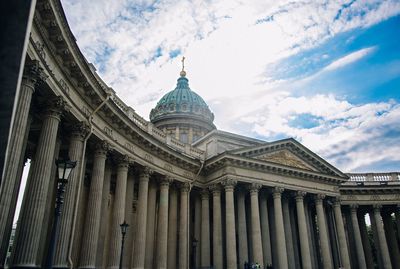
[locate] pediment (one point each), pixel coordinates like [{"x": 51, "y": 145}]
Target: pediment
[
  {"x": 289, "y": 152},
  {"x": 285, "y": 157}
]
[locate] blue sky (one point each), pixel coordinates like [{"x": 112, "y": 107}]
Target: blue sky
[{"x": 326, "y": 73}]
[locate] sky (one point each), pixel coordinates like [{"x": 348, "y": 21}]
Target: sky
[{"x": 326, "y": 73}]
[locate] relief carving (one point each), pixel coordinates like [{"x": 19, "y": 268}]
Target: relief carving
[{"x": 286, "y": 158}]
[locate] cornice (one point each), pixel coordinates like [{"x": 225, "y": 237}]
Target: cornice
[{"x": 269, "y": 167}]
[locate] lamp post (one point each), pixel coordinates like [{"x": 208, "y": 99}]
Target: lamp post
[
  {"x": 194, "y": 246},
  {"x": 64, "y": 168},
  {"x": 124, "y": 227}
]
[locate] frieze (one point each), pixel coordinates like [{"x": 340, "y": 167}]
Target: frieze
[
  {"x": 64, "y": 86},
  {"x": 109, "y": 132},
  {"x": 188, "y": 175},
  {"x": 149, "y": 158},
  {"x": 168, "y": 167},
  {"x": 129, "y": 146}
]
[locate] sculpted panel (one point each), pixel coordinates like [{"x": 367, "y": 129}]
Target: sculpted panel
[{"x": 286, "y": 158}]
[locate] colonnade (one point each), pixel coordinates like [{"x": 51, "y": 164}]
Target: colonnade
[{"x": 237, "y": 221}]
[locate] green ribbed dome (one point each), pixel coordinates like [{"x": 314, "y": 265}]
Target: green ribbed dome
[{"x": 181, "y": 101}]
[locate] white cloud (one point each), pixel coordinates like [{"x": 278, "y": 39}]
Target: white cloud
[
  {"x": 228, "y": 45},
  {"x": 348, "y": 59}
]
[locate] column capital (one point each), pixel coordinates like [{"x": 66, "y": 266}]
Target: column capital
[
  {"x": 123, "y": 162},
  {"x": 204, "y": 194},
  {"x": 80, "y": 130},
  {"x": 377, "y": 207},
  {"x": 145, "y": 174},
  {"x": 299, "y": 196},
  {"x": 102, "y": 148},
  {"x": 319, "y": 198},
  {"x": 229, "y": 184},
  {"x": 56, "y": 106},
  {"x": 337, "y": 201},
  {"x": 353, "y": 208},
  {"x": 215, "y": 188},
  {"x": 254, "y": 188},
  {"x": 33, "y": 74},
  {"x": 166, "y": 181},
  {"x": 277, "y": 192},
  {"x": 184, "y": 186}
]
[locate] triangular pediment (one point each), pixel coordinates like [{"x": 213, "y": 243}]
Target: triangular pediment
[
  {"x": 291, "y": 153},
  {"x": 285, "y": 157}
]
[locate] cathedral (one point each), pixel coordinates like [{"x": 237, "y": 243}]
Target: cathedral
[{"x": 193, "y": 196}]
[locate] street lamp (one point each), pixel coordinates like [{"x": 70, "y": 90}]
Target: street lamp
[
  {"x": 124, "y": 227},
  {"x": 64, "y": 168}
]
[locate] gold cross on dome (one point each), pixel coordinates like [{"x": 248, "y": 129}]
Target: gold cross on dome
[{"x": 183, "y": 63}]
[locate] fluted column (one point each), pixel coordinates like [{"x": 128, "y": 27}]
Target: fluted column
[
  {"x": 9, "y": 187},
  {"x": 288, "y": 232},
  {"x": 118, "y": 215},
  {"x": 255, "y": 225},
  {"x": 391, "y": 240},
  {"x": 140, "y": 235},
  {"x": 266, "y": 237},
  {"x": 162, "y": 227},
  {"x": 303, "y": 233},
  {"x": 129, "y": 217},
  {"x": 280, "y": 232},
  {"x": 32, "y": 219},
  {"x": 93, "y": 210},
  {"x": 205, "y": 230},
  {"x": 242, "y": 228},
  {"x": 357, "y": 237},
  {"x": 382, "y": 238},
  {"x": 217, "y": 226},
  {"x": 149, "y": 261},
  {"x": 322, "y": 232},
  {"x": 344, "y": 252},
  {"x": 75, "y": 153},
  {"x": 172, "y": 229},
  {"x": 231, "y": 258},
  {"x": 183, "y": 227}
]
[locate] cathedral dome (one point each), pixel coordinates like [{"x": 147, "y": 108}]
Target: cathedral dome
[{"x": 182, "y": 106}]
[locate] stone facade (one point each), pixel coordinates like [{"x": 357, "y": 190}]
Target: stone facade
[{"x": 241, "y": 199}]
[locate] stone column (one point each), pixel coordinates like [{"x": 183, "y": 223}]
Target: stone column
[
  {"x": 118, "y": 215},
  {"x": 344, "y": 252},
  {"x": 102, "y": 250},
  {"x": 93, "y": 210},
  {"x": 149, "y": 261},
  {"x": 255, "y": 225},
  {"x": 75, "y": 153},
  {"x": 9, "y": 187},
  {"x": 172, "y": 229},
  {"x": 205, "y": 260},
  {"x": 183, "y": 227},
  {"x": 217, "y": 226},
  {"x": 280, "y": 232},
  {"x": 265, "y": 234},
  {"x": 303, "y": 233},
  {"x": 140, "y": 234},
  {"x": 322, "y": 231},
  {"x": 162, "y": 227},
  {"x": 197, "y": 228},
  {"x": 357, "y": 237},
  {"x": 32, "y": 219},
  {"x": 397, "y": 218},
  {"x": 288, "y": 233},
  {"x": 242, "y": 228},
  {"x": 392, "y": 240},
  {"x": 382, "y": 238},
  {"x": 231, "y": 259},
  {"x": 129, "y": 217}
]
